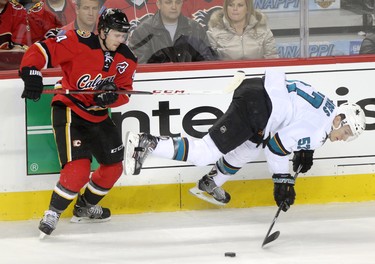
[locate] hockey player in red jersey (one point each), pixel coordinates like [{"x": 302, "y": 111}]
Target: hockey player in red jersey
[{"x": 81, "y": 125}]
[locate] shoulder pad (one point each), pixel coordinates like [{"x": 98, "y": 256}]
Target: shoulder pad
[{"x": 126, "y": 52}]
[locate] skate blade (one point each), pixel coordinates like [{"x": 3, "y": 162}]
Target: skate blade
[
  {"x": 131, "y": 142},
  {"x": 87, "y": 220},
  {"x": 42, "y": 235},
  {"x": 204, "y": 196}
]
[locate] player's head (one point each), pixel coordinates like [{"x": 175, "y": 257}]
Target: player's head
[
  {"x": 113, "y": 18},
  {"x": 349, "y": 115},
  {"x": 112, "y": 27}
]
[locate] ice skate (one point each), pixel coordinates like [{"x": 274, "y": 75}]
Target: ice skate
[
  {"x": 84, "y": 212},
  {"x": 48, "y": 223},
  {"x": 137, "y": 148},
  {"x": 208, "y": 191}
]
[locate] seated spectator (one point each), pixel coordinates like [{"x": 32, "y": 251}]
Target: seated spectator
[
  {"x": 168, "y": 36},
  {"x": 87, "y": 12},
  {"x": 38, "y": 22},
  {"x": 12, "y": 18},
  {"x": 238, "y": 32},
  {"x": 368, "y": 44},
  {"x": 63, "y": 9}
]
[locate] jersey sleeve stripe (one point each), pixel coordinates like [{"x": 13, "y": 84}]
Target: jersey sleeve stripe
[
  {"x": 276, "y": 147},
  {"x": 44, "y": 50}
]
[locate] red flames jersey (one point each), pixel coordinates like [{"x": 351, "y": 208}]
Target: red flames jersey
[
  {"x": 66, "y": 15},
  {"x": 12, "y": 18},
  {"x": 38, "y": 21},
  {"x": 138, "y": 10},
  {"x": 84, "y": 66}
]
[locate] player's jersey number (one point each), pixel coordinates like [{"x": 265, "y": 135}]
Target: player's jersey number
[{"x": 315, "y": 99}]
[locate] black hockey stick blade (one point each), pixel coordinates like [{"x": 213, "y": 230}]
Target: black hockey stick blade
[{"x": 271, "y": 238}]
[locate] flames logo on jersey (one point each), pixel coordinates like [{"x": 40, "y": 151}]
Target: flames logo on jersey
[
  {"x": 121, "y": 67},
  {"x": 324, "y": 3},
  {"x": 16, "y": 5},
  {"x": 135, "y": 22},
  {"x": 83, "y": 34},
  {"x": 203, "y": 16},
  {"x": 137, "y": 3}
]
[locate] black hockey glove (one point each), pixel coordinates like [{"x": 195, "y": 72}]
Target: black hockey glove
[
  {"x": 108, "y": 97},
  {"x": 304, "y": 158},
  {"x": 283, "y": 190},
  {"x": 33, "y": 80}
]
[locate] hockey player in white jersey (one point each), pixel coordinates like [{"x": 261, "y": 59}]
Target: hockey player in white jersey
[{"x": 272, "y": 114}]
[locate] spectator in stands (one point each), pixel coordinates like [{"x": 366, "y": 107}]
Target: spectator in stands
[
  {"x": 63, "y": 9},
  {"x": 168, "y": 36},
  {"x": 87, "y": 12},
  {"x": 368, "y": 44},
  {"x": 12, "y": 18},
  {"x": 38, "y": 22},
  {"x": 239, "y": 32}
]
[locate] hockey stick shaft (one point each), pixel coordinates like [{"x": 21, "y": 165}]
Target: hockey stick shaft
[
  {"x": 269, "y": 238},
  {"x": 236, "y": 80},
  {"x": 154, "y": 92},
  {"x": 62, "y": 91}
]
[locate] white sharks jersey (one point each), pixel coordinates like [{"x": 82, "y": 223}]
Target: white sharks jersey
[{"x": 301, "y": 118}]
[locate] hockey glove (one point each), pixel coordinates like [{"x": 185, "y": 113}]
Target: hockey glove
[
  {"x": 304, "y": 158},
  {"x": 108, "y": 97},
  {"x": 33, "y": 80},
  {"x": 284, "y": 190}
]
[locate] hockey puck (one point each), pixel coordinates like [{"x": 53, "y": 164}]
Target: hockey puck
[{"x": 230, "y": 254}]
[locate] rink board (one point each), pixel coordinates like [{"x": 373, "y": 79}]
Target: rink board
[{"x": 341, "y": 171}]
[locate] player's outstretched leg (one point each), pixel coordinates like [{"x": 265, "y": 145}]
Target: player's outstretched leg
[
  {"x": 84, "y": 212},
  {"x": 208, "y": 190},
  {"x": 48, "y": 222},
  {"x": 137, "y": 148}
]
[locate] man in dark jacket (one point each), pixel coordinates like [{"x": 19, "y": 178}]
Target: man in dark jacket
[
  {"x": 368, "y": 44},
  {"x": 169, "y": 36}
]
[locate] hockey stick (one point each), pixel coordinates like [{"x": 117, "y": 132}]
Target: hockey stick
[
  {"x": 269, "y": 238},
  {"x": 62, "y": 91},
  {"x": 236, "y": 80}
]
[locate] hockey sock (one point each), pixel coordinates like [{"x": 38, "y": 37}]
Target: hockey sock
[
  {"x": 94, "y": 193},
  {"x": 224, "y": 171},
  {"x": 181, "y": 148},
  {"x": 61, "y": 198},
  {"x": 165, "y": 148},
  {"x": 102, "y": 180}
]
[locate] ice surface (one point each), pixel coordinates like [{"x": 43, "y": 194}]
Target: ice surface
[{"x": 340, "y": 233}]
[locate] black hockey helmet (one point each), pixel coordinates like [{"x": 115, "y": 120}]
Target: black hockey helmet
[{"x": 113, "y": 18}]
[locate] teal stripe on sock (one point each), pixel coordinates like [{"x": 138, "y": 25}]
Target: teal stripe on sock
[{"x": 182, "y": 149}]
